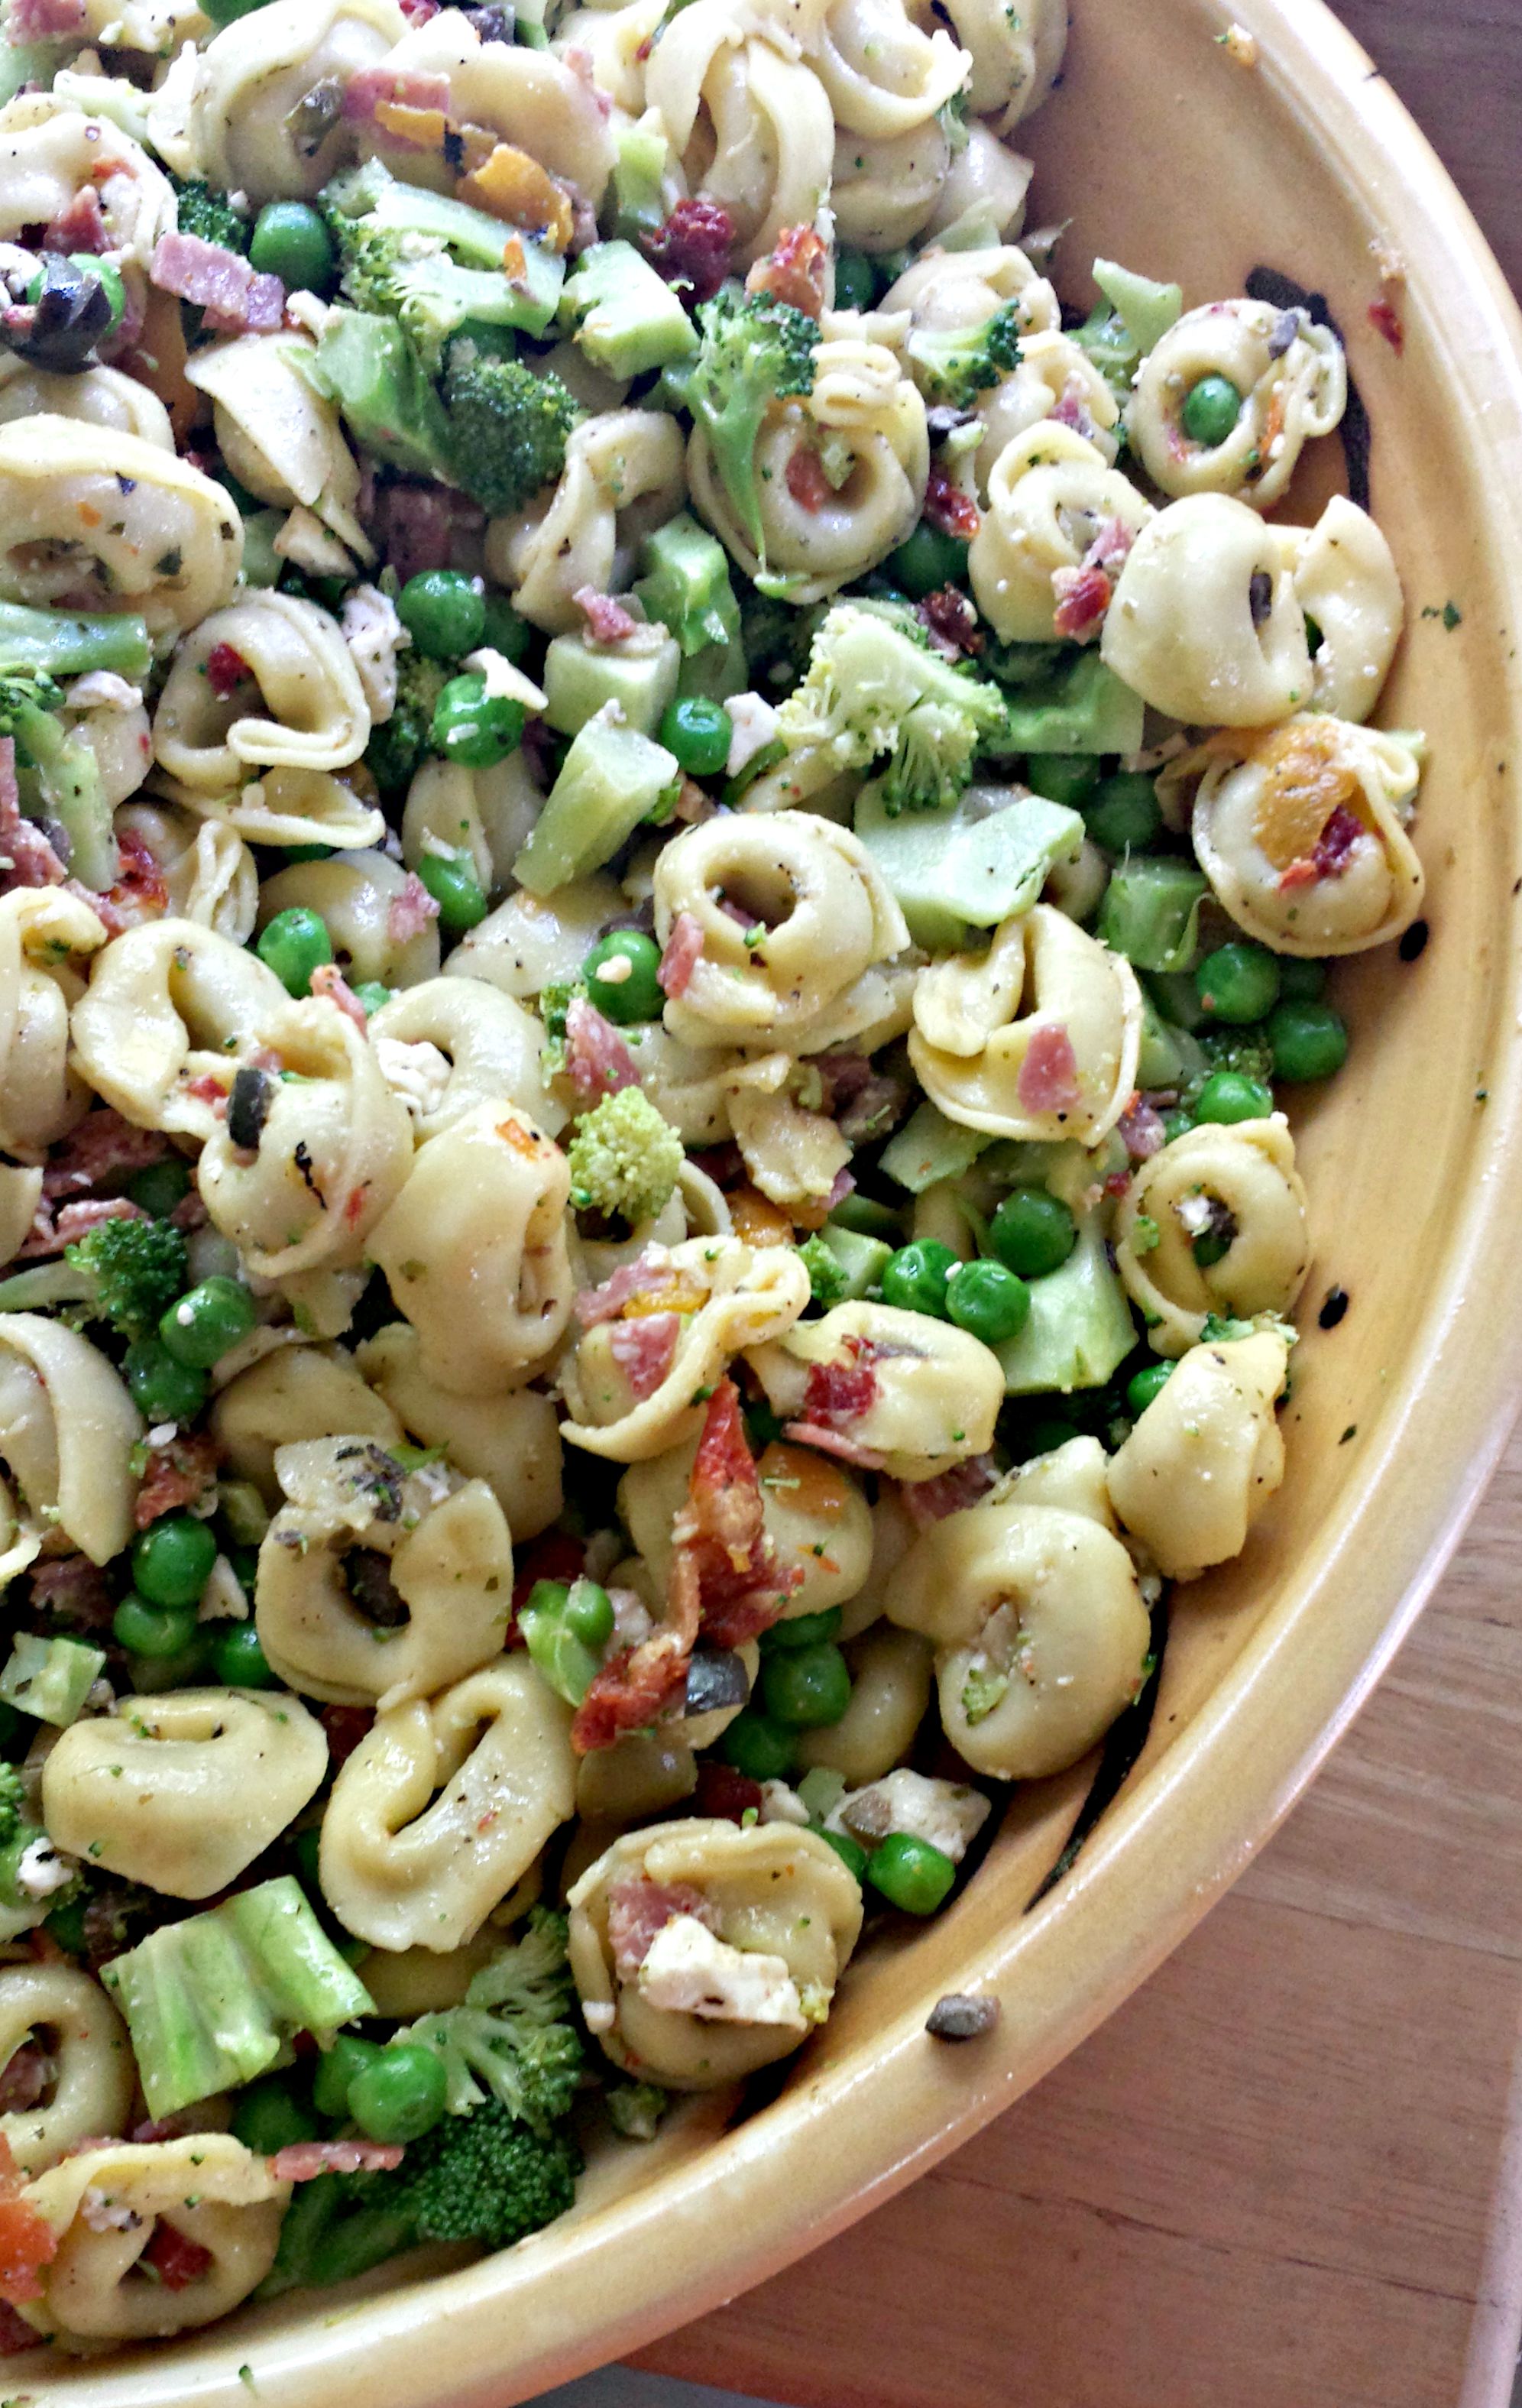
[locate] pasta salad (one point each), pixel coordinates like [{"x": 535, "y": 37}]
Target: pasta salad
[{"x": 668, "y": 841}]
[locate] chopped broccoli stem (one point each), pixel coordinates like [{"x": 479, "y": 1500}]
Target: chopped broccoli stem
[
  {"x": 58, "y": 644},
  {"x": 624, "y": 1158},
  {"x": 625, "y": 317},
  {"x": 50, "y": 1678},
  {"x": 635, "y": 2109},
  {"x": 59, "y": 772},
  {"x": 369, "y": 366},
  {"x": 686, "y": 585}
]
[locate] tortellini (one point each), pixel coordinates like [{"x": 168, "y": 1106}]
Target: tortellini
[
  {"x": 1346, "y": 581},
  {"x": 792, "y": 910},
  {"x": 279, "y": 436},
  {"x": 1064, "y": 1066},
  {"x": 891, "y": 1672},
  {"x": 702, "y": 1952},
  {"x": 1291, "y": 380},
  {"x": 168, "y": 1004},
  {"x": 817, "y": 1517},
  {"x": 529, "y": 98},
  {"x": 623, "y": 476},
  {"x": 182, "y": 1791},
  {"x": 376, "y": 1584},
  {"x": 269, "y": 682},
  {"x": 474, "y": 1249},
  {"x": 887, "y": 188},
  {"x": 1054, "y": 508},
  {"x": 887, "y": 1390},
  {"x": 299, "y": 1392},
  {"x": 307, "y": 807},
  {"x": 448, "y": 1045},
  {"x": 488, "y": 814},
  {"x": 510, "y": 1441},
  {"x": 49, "y": 150},
  {"x": 1039, "y": 1628},
  {"x": 1203, "y": 623},
  {"x": 207, "y": 871},
  {"x": 104, "y": 2205},
  {"x": 1205, "y": 1456},
  {"x": 444, "y": 1805},
  {"x": 532, "y": 940},
  {"x": 948, "y": 290},
  {"x": 42, "y": 932},
  {"x": 1236, "y": 1186},
  {"x": 1053, "y": 374},
  {"x": 68, "y": 1433},
  {"x": 70, "y": 2017},
  {"x": 371, "y": 907},
  {"x": 94, "y": 517},
  {"x": 247, "y": 130},
  {"x": 1016, "y": 55},
  {"x": 882, "y": 76},
  {"x": 1301, "y": 831},
  {"x": 101, "y": 397},
  {"x": 753, "y": 129}
]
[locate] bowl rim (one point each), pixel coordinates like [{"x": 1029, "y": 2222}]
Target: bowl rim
[{"x": 493, "y": 2332}]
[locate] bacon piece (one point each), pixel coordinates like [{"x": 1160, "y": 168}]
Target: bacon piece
[
  {"x": 795, "y": 271},
  {"x": 691, "y": 251},
  {"x": 102, "y": 1146},
  {"x": 1048, "y": 1080},
  {"x": 303, "y": 2160},
  {"x": 16, "y": 2334},
  {"x": 236, "y": 299},
  {"x": 683, "y": 952},
  {"x": 1083, "y": 597},
  {"x": 420, "y": 13},
  {"x": 948, "y": 508},
  {"x": 329, "y": 980},
  {"x": 639, "y": 1909},
  {"x": 73, "y": 1591},
  {"x": 833, "y": 1441},
  {"x": 24, "y": 2081},
  {"x": 345, "y": 1726},
  {"x": 44, "y": 21},
  {"x": 1141, "y": 1130},
  {"x": 74, "y": 1221},
  {"x": 722, "y": 1545},
  {"x": 1074, "y": 410},
  {"x": 1335, "y": 843},
  {"x": 79, "y": 225},
  {"x": 176, "y": 2260},
  {"x": 951, "y": 1492},
  {"x": 841, "y": 1391},
  {"x": 951, "y": 620},
  {"x": 178, "y": 1474},
  {"x": 1385, "y": 320},
  {"x": 806, "y": 480},
  {"x": 597, "y": 1061},
  {"x": 607, "y": 621},
  {"x": 410, "y": 910},
  {"x": 26, "y": 857},
  {"x": 142, "y": 891},
  {"x": 726, "y": 1794},
  {"x": 632, "y": 1689},
  {"x": 27, "y": 2241},
  {"x": 225, "y": 670},
  {"x": 371, "y": 88},
  {"x": 643, "y": 1349}
]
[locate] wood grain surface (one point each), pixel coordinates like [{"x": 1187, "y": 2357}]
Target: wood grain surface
[{"x": 1288, "y": 2172}]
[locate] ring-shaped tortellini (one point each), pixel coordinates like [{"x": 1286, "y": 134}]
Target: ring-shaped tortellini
[
  {"x": 103, "y": 2207},
  {"x": 290, "y": 697},
  {"x": 945, "y": 290},
  {"x": 93, "y": 2075},
  {"x": 814, "y": 893},
  {"x": 758, "y": 1927},
  {"x": 891, "y": 1672},
  {"x": 444, "y": 1805},
  {"x": 819, "y": 1523},
  {"x": 1206, "y": 1455},
  {"x": 1037, "y": 1038},
  {"x": 449, "y": 1045},
  {"x": 753, "y": 129},
  {"x": 290, "y": 807},
  {"x": 1204, "y": 624},
  {"x": 882, "y": 74},
  {"x": 623, "y": 476},
  {"x": 697, "y": 1305},
  {"x": 69, "y": 1432},
  {"x": 834, "y": 523},
  {"x": 1291, "y": 378},
  {"x": 474, "y": 1250},
  {"x": 169, "y": 1003},
  {"x": 247, "y": 128},
  {"x": 1236, "y": 1184},
  {"x": 1346, "y": 581},
  {"x": 48, "y": 152},
  {"x": 43, "y": 931},
  {"x": 618, "y": 40},
  {"x": 109, "y": 714},
  {"x": 511, "y": 1441},
  {"x": 21, "y": 1193},
  {"x": 182, "y": 1791},
  {"x": 371, "y": 908},
  {"x": 1053, "y": 374},
  {"x": 429, "y": 1552},
  {"x": 100, "y": 397},
  {"x": 1016, "y": 55},
  {"x": 1039, "y": 1628},
  {"x": 984, "y": 197},
  {"x": 1052, "y": 501},
  {"x": 279, "y": 436},
  {"x": 95, "y": 519},
  {"x": 885, "y": 189},
  {"x": 531, "y": 940},
  {"x": 529, "y": 98},
  {"x": 887, "y": 1390},
  {"x": 208, "y": 872},
  {"x": 299, "y": 1392},
  {"x": 487, "y": 813},
  {"x": 1301, "y": 831}
]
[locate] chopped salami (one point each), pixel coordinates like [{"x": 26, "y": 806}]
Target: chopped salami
[
  {"x": 74, "y": 1221},
  {"x": 420, "y": 13},
  {"x": 329, "y": 979},
  {"x": 178, "y": 1474},
  {"x": 607, "y": 621},
  {"x": 44, "y": 21},
  {"x": 1335, "y": 845},
  {"x": 79, "y": 225},
  {"x": 608, "y": 1302},
  {"x": 1083, "y": 599},
  {"x": 691, "y": 251},
  {"x": 225, "y": 670},
  {"x": 235, "y": 298},
  {"x": 102, "y": 1146},
  {"x": 24, "y": 2081},
  {"x": 640, "y": 1909},
  {"x": 952, "y": 621},
  {"x": 142, "y": 891},
  {"x": 806, "y": 480},
  {"x": 948, "y": 508},
  {"x": 16, "y": 2334},
  {"x": 372, "y": 88},
  {"x": 26, "y": 857},
  {"x": 418, "y": 525},
  {"x": 643, "y": 1349},
  {"x": 73, "y": 1591},
  {"x": 410, "y": 910},
  {"x": 682, "y": 954},
  {"x": 1385, "y": 318},
  {"x": 176, "y": 2260},
  {"x": 826, "y": 1441},
  {"x": 304, "y": 2161},
  {"x": 843, "y": 1391},
  {"x": 1048, "y": 1080},
  {"x": 726, "y": 1794},
  {"x": 795, "y": 271},
  {"x": 950, "y": 1491},
  {"x": 345, "y": 1726},
  {"x": 1141, "y": 1130},
  {"x": 597, "y": 1061}
]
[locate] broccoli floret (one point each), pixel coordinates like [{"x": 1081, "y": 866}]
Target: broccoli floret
[
  {"x": 370, "y": 367},
  {"x": 756, "y": 351},
  {"x": 636, "y": 2108},
  {"x": 875, "y": 686},
  {"x": 828, "y": 1281},
  {"x": 508, "y": 427},
  {"x": 12, "y": 1804},
  {"x": 401, "y": 743},
  {"x": 956, "y": 368},
  {"x": 59, "y": 776},
  {"x": 556, "y": 1001},
  {"x": 125, "y": 1272},
  {"x": 435, "y": 263},
  {"x": 508, "y": 2033},
  {"x": 485, "y": 2177},
  {"x": 625, "y": 1159},
  {"x": 210, "y": 215},
  {"x": 1244, "y": 1051}
]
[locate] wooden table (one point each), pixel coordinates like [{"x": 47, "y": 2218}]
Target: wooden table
[{"x": 1288, "y": 2172}]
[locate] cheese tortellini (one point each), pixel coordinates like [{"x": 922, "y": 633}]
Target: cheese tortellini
[
  {"x": 43, "y": 934},
  {"x": 1236, "y": 1186},
  {"x": 1053, "y": 503},
  {"x": 268, "y": 683},
  {"x": 61, "y": 2009},
  {"x": 888, "y": 1390},
  {"x": 68, "y": 1431},
  {"x": 1204, "y": 623},
  {"x": 623, "y": 476},
  {"x": 1205, "y": 1456},
  {"x": 1290, "y": 378},
  {"x": 752, "y": 128},
  {"x": 248, "y": 132}
]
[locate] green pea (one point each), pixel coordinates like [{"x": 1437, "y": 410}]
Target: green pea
[
  {"x": 806, "y": 1688},
  {"x": 911, "y": 1873},
  {"x": 151, "y": 1674},
  {"x": 294, "y": 945},
  {"x": 372, "y": 994},
  {"x": 803, "y": 1630},
  {"x": 1062, "y": 777},
  {"x": 624, "y": 994},
  {"x": 172, "y": 1560},
  {"x": 290, "y": 240},
  {"x": 159, "y": 1187},
  {"x": 1122, "y": 814},
  {"x": 1211, "y": 411},
  {"x": 1176, "y": 1122},
  {"x": 1226, "y": 1096},
  {"x": 1302, "y": 981},
  {"x": 400, "y": 2094},
  {"x": 1143, "y": 1387},
  {"x": 915, "y": 1279},
  {"x": 757, "y": 1746},
  {"x": 451, "y": 879},
  {"x": 473, "y": 727},
  {"x": 927, "y": 560},
  {"x": 245, "y": 1563},
  {"x": 589, "y": 1614},
  {"x": 162, "y": 1389},
  {"x": 337, "y": 2068},
  {"x": 1238, "y": 983},
  {"x": 306, "y": 1847},
  {"x": 203, "y": 1325},
  {"x": 1210, "y": 1247},
  {"x": 698, "y": 733},
  {"x": 851, "y": 1852},
  {"x": 238, "y": 1658},
  {"x": 1049, "y": 1433},
  {"x": 504, "y": 631},
  {"x": 989, "y": 1302},
  {"x": 1032, "y": 1233},
  {"x": 267, "y": 2116},
  {"x": 155, "y": 1630},
  {"x": 443, "y": 612},
  {"x": 854, "y": 283},
  {"x": 299, "y": 852},
  {"x": 1309, "y": 1040}
]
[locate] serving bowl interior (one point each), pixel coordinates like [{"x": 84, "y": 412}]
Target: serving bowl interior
[{"x": 1162, "y": 150}]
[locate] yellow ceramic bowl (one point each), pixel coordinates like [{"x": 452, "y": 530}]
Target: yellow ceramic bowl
[{"x": 1167, "y": 154}]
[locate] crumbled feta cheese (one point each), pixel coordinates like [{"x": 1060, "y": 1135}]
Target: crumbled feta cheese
[
  {"x": 415, "y": 1069},
  {"x": 944, "y": 1813},
  {"x": 1194, "y": 1215},
  {"x": 503, "y": 680},
  {"x": 599, "y": 2015},
  {"x": 224, "y": 1599},
  {"x": 632, "y": 1618},
  {"x": 754, "y": 724},
  {"x": 373, "y": 633},
  {"x": 104, "y": 2214},
  {"x": 688, "y": 1970},
  {"x": 40, "y": 1870},
  {"x": 780, "y": 1804},
  {"x": 102, "y": 690}
]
